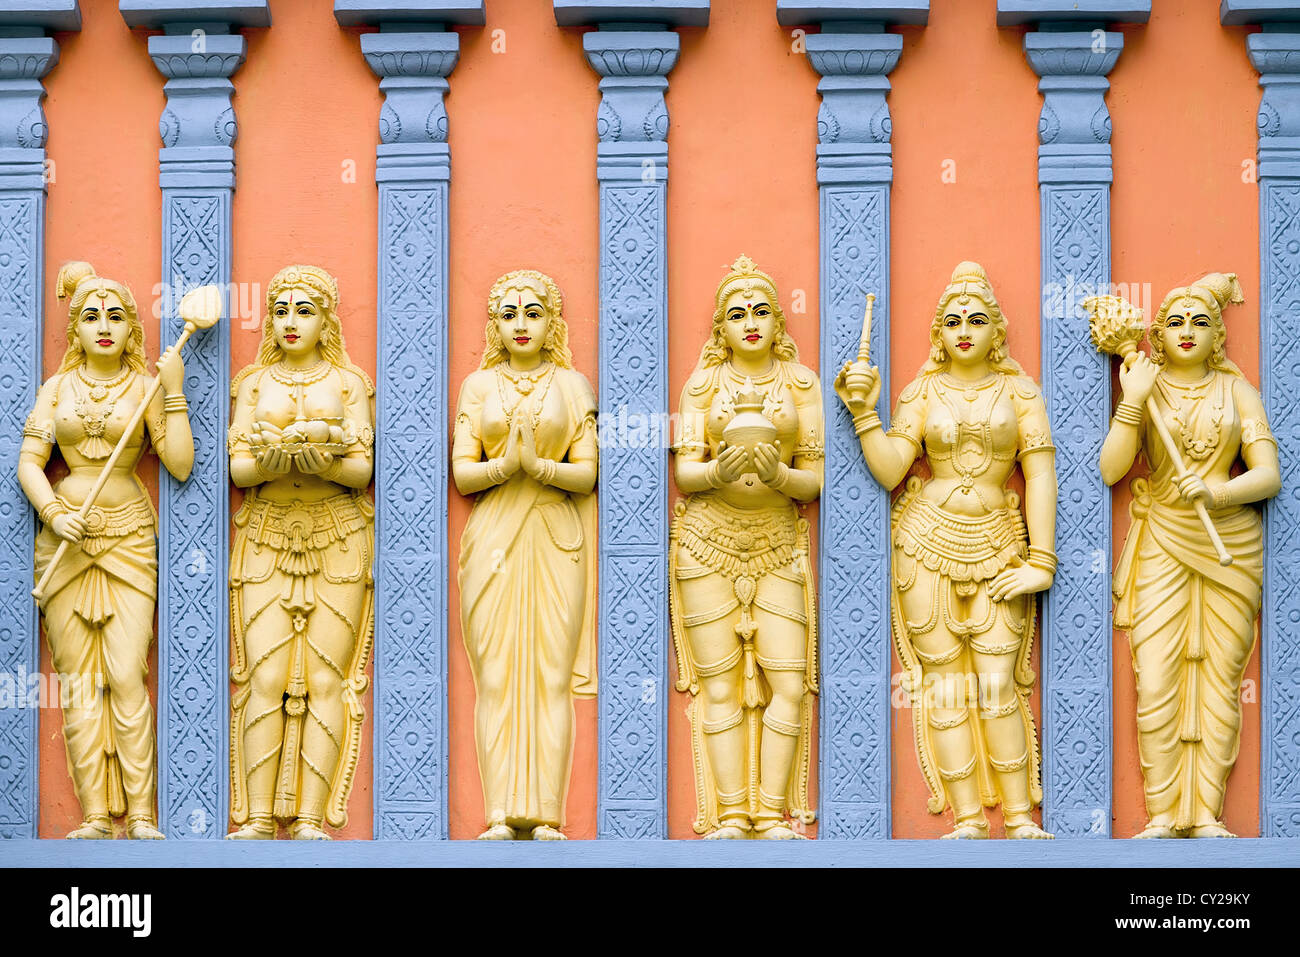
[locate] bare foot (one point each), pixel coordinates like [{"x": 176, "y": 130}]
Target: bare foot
[
  {"x": 778, "y": 832},
  {"x": 974, "y": 829},
  {"x": 544, "y": 832},
  {"x": 1210, "y": 830},
  {"x": 93, "y": 830},
  {"x": 728, "y": 832},
  {"x": 1155, "y": 832},
  {"x": 1026, "y": 830},
  {"x": 498, "y": 832},
  {"x": 254, "y": 830},
  {"x": 301, "y": 830},
  {"x": 143, "y": 829}
]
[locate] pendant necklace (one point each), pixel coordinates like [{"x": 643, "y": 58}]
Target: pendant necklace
[
  {"x": 94, "y": 411},
  {"x": 524, "y": 383}
]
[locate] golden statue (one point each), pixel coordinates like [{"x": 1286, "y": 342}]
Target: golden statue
[
  {"x": 301, "y": 591},
  {"x": 526, "y": 441},
  {"x": 965, "y": 562},
  {"x": 740, "y": 582},
  {"x": 99, "y": 602},
  {"x": 1188, "y": 583}
]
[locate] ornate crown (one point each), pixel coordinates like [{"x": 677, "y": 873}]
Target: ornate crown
[
  {"x": 311, "y": 277},
  {"x": 744, "y": 274}
]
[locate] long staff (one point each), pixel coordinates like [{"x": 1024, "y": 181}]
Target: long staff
[
  {"x": 201, "y": 309},
  {"x": 1117, "y": 329},
  {"x": 864, "y": 344}
]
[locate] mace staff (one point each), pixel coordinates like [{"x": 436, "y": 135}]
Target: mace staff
[
  {"x": 201, "y": 309},
  {"x": 864, "y": 343},
  {"x": 1117, "y": 328}
]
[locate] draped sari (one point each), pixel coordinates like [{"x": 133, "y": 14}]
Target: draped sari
[
  {"x": 1191, "y": 621},
  {"x": 527, "y": 579}
]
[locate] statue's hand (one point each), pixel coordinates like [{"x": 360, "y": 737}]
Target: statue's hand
[
  {"x": 733, "y": 461},
  {"x": 858, "y": 386},
  {"x": 1193, "y": 489},
  {"x": 528, "y": 459},
  {"x": 767, "y": 462},
  {"x": 1137, "y": 377},
  {"x": 312, "y": 461},
  {"x": 1019, "y": 579},
  {"x": 273, "y": 460},
  {"x": 68, "y": 527},
  {"x": 171, "y": 372},
  {"x": 510, "y": 461}
]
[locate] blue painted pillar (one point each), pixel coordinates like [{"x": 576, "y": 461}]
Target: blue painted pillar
[
  {"x": 197, "y": 176},
  {"x": 855, "y": 168},
  {"x": 633, "y": 60},
  {"x": 1074, "y": 175},
  {"x": 1276, "y": 55},
  {"x": 26, "y": 55},
  {"x": 413, "y": 55}
]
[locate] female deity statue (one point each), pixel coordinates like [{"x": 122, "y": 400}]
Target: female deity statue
[
  {"x": 965, "y": 562},
  {"x": 740, "y": 583},
  {"x": 301, "y": 592},
  {"x": 1191, "y": 621},
  {"x": 99, "y": 602},
  {"x": 526, "y": 443}
]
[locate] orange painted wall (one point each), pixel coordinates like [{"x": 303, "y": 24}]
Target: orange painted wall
[
  {"x": 1180, "y": 209},
  {"x": 743, "y": 108}
]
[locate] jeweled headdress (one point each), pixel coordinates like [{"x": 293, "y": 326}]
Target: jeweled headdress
[
  {"x": 745, "y": 275},
  {"x": 310, "y": 277}
]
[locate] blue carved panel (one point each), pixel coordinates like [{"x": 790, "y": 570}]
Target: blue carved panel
[
  {"x": 633, "y": 625},
  {"x": 1280, "y": 382},
  {"x": 22, "y": 230},
  {"x": 854, "y": 536},
  {"x": 1075, "y": 619},
  {"x": 193, "y": 600},
  {"x": 411, "y": 518}
]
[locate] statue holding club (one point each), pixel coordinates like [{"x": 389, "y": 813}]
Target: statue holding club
[
  {"x": 96, "y": 555},
  {"x": 1189, "y": 581}
]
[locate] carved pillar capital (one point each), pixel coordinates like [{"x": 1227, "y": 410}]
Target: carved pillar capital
[
  {"x": 853, "y": 124},
  {"x": 1074, "y": 126},
  {"x": 413, "y": 69},
  {"x": 23, "y": 61},
  {"x": 412, "y": 54},
  {"x": 197, "y": 54},
  {"x": 1276, "y": 55},
  {"x": 632, "y": 122}
]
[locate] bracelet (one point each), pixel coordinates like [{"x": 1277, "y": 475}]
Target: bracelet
[
  {"x": 175, "y": 403},
  {"x": 1043, "y": 558},
  {"x": 496, "y": 472},
  {"x": 782, "y": 477},
  {"x": 1221, "y": 497},
  {"x": 333, "y": 470},
  {"x": 52, "y": 511},
  {"x": 1128, "y": 413},
  {"x": 713, "y": 474},
  {"x": 547, "y": 467},
  {"x": 866, "y": 422}
]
